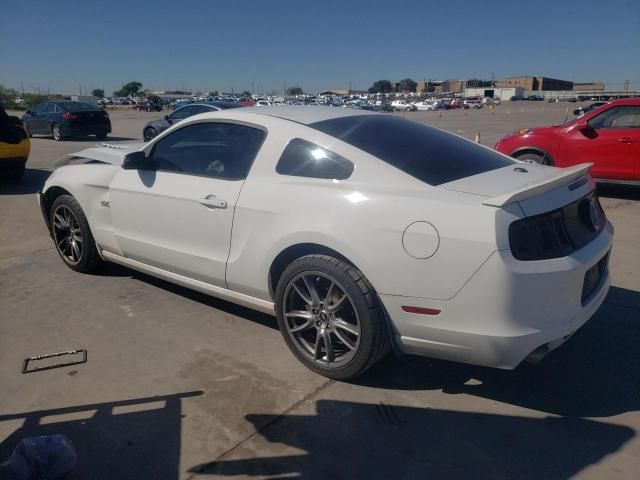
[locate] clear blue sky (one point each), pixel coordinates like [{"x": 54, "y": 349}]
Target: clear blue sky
[{"x": 206, "y": 45}]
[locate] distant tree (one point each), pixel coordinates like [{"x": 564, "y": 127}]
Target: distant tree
[
  {"x": 294, "y": 91},
  {"x": 30, "y": 100},
  {"x": 407, "y": 85},
  {"x": 98, "y": 92},
  {"x": 7, "y": 96},
  {"x": 246, "y": 93},
  {"x": 215, "y": 93},
  {"x": 129, "y": 89},
  {"x": 381, "y": 86}
]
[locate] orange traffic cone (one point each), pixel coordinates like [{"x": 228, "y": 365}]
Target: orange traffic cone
[{"x": 477, "y": 137}]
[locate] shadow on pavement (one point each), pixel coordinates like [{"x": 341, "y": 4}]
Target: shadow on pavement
[
  {"x": 595, "y": 374},
  {"x": 129, "y": 439},
  {"x": 346, "y": 440},
  {"x": 32, "y": 182},
  {"x": 623, "y": 192}
]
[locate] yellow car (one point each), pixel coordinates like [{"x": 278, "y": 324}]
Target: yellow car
[{"x": 13, "y": 157}]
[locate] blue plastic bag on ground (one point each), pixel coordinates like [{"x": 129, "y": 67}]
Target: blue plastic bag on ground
[{"x": 40, "y": 458}]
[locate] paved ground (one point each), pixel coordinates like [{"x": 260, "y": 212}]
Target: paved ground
[{"x": 180, "y": 385}]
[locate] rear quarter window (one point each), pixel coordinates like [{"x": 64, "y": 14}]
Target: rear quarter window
[
  {"x": 305, "y": 159},
  {"x": 426, "y": 153}
]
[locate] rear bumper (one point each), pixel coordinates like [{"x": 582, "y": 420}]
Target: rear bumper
[
  {"x": 71, "y": 130},
  {"x": 507, "y": 311}
]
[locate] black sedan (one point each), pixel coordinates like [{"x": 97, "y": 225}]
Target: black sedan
[
  {"x": 154, "y": 127},
  {"x": 67, "y": 119}
]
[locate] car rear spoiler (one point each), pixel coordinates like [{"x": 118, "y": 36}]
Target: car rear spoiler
[{"x": 558, "y": 178}]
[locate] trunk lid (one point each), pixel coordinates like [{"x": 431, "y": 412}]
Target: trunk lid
[{"x": 523, "y": 182}]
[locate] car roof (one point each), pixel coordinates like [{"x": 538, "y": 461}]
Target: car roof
[
  {"x": 307, "y": 114},
  {"x": 626, "y": 101}
]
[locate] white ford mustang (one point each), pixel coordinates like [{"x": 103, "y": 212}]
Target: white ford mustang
[{"x": 360, "y": 231}]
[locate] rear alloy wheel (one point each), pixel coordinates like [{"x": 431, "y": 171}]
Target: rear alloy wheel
[
  {"x": 55, "y": 132},
  {"x": 533, "y": 158},
  {"x": 72, "y": 236},
  {"x": 149, "y": 134},
  {"x": 330, "y": 317}
]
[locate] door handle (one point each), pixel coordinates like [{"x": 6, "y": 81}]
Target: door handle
[
  {"x": 212, "y": 201},
  {"x": 625, "y": 140}
]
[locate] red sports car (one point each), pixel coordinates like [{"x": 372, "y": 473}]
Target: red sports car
[{"x": 608, "y": 137}]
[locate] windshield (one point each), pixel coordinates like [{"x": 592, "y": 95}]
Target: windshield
[{"x": 426, "y": 153}]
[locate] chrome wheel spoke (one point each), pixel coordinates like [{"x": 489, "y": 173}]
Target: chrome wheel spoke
[
  {"x": 328, "y": 346},
  {"x": 313, "y": 293},
  {"x": 304, "y": 297},
  {"x": 346, "y": 326},
  {"x": 350, "y": 344},
  {"x": 308, "y": 320},
  {"x": 327, "y": 297},
  {"x": 59, "y": 222},
  {"x": 75, "y": 251},
  {"x": 336, "y": 305}
]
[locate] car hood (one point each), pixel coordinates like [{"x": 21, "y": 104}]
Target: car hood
[
  {"x": 516, "y": 182},
  {"x": 104, "y": 153}
]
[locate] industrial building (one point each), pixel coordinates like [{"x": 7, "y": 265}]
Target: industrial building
[
  {"x": 494, "y": 92},
  {"x": 535, "y": 84}
]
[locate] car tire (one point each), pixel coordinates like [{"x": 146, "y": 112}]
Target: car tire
[
  {"x": 101, "y": 136},
  {"x": 533, "y": 158},
  {"x": 343, "y": 330},
  {"x": 55, "y": 132},
  {"x": 149, "y": 134},
  {"x": 72, "y": 236}
]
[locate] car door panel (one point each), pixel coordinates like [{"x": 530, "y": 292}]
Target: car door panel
[
  {"x": 611, "y": 146},
  {"x": 168, "y": 220},
  {"x": 178, "y": 214}
]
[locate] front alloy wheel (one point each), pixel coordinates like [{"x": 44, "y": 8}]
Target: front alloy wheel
[
  {"x": 72, "y": 236},
  {"x": 67, "y": 235}
]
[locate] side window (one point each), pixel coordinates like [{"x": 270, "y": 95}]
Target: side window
[
  {"x": 181, "y": 113},
  {"x": 39, "y": 108},
  {"x": 305, "y": 159},
  {"x": 196, "y": 109},
  {"x": 617, "y": 117},
  {"x": 50, "y": 108},
  {"x": 213, "y": 149}
]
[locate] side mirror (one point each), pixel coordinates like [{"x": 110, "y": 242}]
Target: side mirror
[
  {"x": 29, "y": 112},
  {"x": 166, "y": 117},
  {"x": 137, "y": 161},
  {"x": 584, "y": 126}
]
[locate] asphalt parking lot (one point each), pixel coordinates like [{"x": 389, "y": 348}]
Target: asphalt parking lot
[{"x": 179, "y": 385}]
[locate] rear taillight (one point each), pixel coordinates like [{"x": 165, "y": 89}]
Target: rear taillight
[
  {"x": 540, "y": 237},
  {"x": 557, "y": 233},
  {"x": 69, "y": 116}
]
